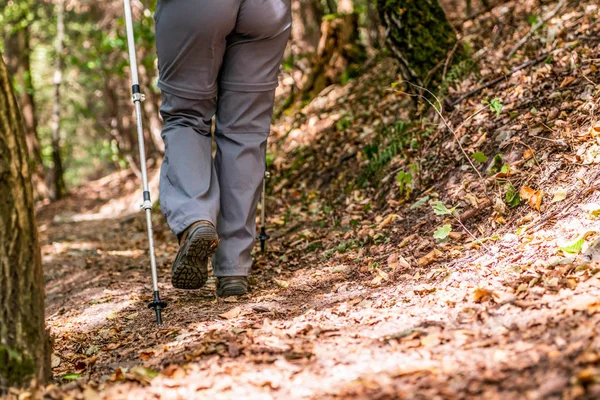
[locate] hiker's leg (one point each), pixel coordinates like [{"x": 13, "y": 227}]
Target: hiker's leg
[
  {"x": 191, "y": 38},
  {"x": 245, "y": 106},
  {"x": 189, "y": 189}
]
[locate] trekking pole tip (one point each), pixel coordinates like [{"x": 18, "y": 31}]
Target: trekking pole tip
[
  {"x": 158, "y": 305},
  {"x": 263, "y": 237}
]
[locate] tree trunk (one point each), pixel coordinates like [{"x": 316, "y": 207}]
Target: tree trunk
[
  {"x": 24, "y": 343},
  {"x": 17, "y": 53},
  {"x": 306, "y": 26},
  {"x": 420, "y": 36},
  {"x": 339, "y": 53},
  {"x": 59, "y": 188}
]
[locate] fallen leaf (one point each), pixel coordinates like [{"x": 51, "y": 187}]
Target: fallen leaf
[
  {"x": 567, "y": 81},
  {"x": 503, "y": 297},
  {"x": 143, "y": 374},
  {"x": 55, "y": 361},
  {"x": 406, "y": 240},
  {"x": 481, "y": 295},
  {"x": 431, "y": 340},
  {"x": 387, "y": 221},
  {"x": 233, "y": 313},
  {"x": 144, "y": 355},
  {"x": 527, "y": 154},
  {"x": 376, "y": 282},
  {"x": 429, "y": 257},
  {"x": 282, "y": 283},
  {"x": 585, "y": 302},
  {"x": 575, "y": 247},
  {"x": 588, "y": 375},
  {"x": 174, "y": 371},
  {"x": 424, "y": 289},
  {"x": 396, "y": 261},
  {"x": 117, "y": 376},
  {"x": 559, "y": 195},
  {"x": 592, "y": 208},
  {"x": 533, "y": 197}
]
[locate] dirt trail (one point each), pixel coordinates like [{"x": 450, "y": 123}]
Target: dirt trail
[{"x": 452, "y": 331}]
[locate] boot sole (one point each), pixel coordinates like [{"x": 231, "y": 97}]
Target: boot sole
[{"x": 190, "y": 269}]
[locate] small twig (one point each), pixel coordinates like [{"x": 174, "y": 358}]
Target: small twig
[
  {"x": 473, "y": 236},
  {"x": 470, "y": 117},
  {"x": 449, "y": 58},
  {"x": 439, "y": 113},
  {"x": 525, "y": 38},
  {"x": 500, "y": 79}
]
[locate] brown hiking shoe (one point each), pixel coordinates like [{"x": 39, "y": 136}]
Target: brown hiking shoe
[
  {"x": 197, "y": 244},
  {"x": 232, "y": 286}
]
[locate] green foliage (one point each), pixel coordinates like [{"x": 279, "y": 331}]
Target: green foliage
[
  {"x": 419, "y": 203},
  {"x": 534, "y": 19},
  {"x": 405, "y": 179},
  {"x": 344, "y": 122},
  {"x": 386, "y": 146},
  {"x": 480, "y": 157},
  {"x": 440, "y": 208},
  {"x": 575, "y": 247},
  {"x": 270, "y": 159},
  {"x": 442, "y": 232},
  {"x": 343, "y": 247},
  {"x": 71, "y": 376},
  {"x": 495, "y": 106},
  {"x": 16, "y": 367},
  {"x": 497, "y": 164},
  {"x": 458, "y": 72},
  {"x": 512, "y": 197}
]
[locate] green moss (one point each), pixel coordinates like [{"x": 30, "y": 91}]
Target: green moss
[
  {"x": 420, "y": 31},
  {"x": 16, "y": 367}
]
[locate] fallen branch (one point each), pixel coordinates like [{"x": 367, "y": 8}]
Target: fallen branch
[
  {"x": 500, "y": 79},
  {"x": 533, "y": 29}
]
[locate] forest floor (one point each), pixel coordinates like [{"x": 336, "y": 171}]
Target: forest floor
[{"x": 354, "y": 297}]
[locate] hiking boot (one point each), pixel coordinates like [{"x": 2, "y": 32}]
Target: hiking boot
[
  {"x": 197, "y": 244},
  {"x": 232, "y": 286}
]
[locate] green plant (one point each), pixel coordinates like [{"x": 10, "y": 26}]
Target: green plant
[
  {"x": 480, "y": 157},
  {"x": 444, "y": 231},
  {"x": 388, "y": 144},
  {"x": 512, "y": 197},
  {"x": 495, "y": 105},
  {"x": 405, "y": 180}
]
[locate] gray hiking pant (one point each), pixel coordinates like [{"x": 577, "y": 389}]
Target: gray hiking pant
[{"x": 218, "y": 57}]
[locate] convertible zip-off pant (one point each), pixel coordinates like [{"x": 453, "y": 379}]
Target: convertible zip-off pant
[{"x": 218, "y": 57}]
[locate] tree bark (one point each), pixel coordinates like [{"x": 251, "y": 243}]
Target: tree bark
[
  {"x": 59, "y": 188},
  {"x": 306, "y": 26},
  {"x": 338, "y": 54},
  {"x": 24, "y": 343},
  {"x": 17, "y": 53},
  {"x": 420, "y": 36}
]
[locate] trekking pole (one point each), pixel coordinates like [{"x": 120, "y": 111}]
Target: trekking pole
[
  {"x": 137, "y": 97},
  {"x": 263, "y": 237}
]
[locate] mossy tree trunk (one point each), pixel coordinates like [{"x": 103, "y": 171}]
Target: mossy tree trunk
[
  {"x": 17, "y": 51},
  {"x": 420, "y": 36},
  {"x": 24, "y": 343}
]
